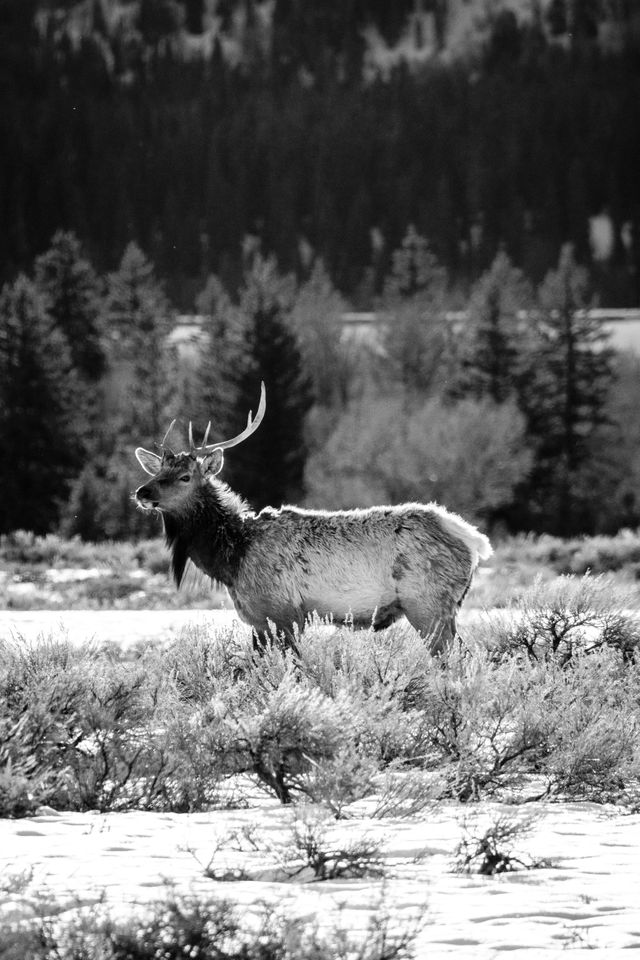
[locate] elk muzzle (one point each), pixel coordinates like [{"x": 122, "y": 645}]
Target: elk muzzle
[{"x": 147, "y": 496}]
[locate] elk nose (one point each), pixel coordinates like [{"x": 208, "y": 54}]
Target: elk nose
[{"x": 143, "y": 495}]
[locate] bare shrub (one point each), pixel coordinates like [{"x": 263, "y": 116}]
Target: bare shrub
[
  {"x": 601, "y": 554},
  {"x": 491, "y": 852},
  {"x": 203, "y": 662},
  {"x": 592, "y": 724},
  {"x": 557, "y": 619},
  {"x": 83, "y": 723},
  {"x": 335, "y": 657},
  {"x": 202, "y": 755},
  {"x": 383, "y": 676},
  {"x": 285, "y": 731},
  {"x": 14, "y": 883},
  {"x": 183, "y": 928},
  {"x": 483, "y": 720},
  {"x": 22, "y": 789},
  {"x": 406, "y": 792},
  {"x": 572, "y": 724},
  {"x": 338, "y": 781},
  {"x": 330, "y": 859}
]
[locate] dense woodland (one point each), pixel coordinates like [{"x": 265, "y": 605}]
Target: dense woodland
[
  {"x": 111, "y": 130},
  {"x": 272, "y": 193},
  {"x": 518, "y": 413}
]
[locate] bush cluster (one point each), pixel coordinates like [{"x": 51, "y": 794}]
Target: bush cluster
[
  {"x": 51, "y": 572},
  {"x": 185, "y": 928},
  {"x": 540, "y": 700},
  {"x": 29, "y": 549},
  {"x": 578, "y": 555}
]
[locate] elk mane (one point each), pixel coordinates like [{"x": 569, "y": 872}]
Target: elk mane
[{"x": 212, "y": 531}]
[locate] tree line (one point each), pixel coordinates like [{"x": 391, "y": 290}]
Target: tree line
[
  {"x": 117, "y": 136},
  {"x": 515, "y": 411}
]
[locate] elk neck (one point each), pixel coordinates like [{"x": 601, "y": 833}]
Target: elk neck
[{"x": 211, "y": 533}]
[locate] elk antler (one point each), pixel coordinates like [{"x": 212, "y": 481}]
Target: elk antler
[
  {"x": 170, "y": 428},
  {"x": 251, "y": 427}
]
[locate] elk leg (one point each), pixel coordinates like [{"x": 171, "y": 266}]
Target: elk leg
[
  {"x": 385, "y": 616},
  {"x": 264, "y": 637},
  {"x": 261, "y": 639},
  {"x": 438, "y": 629}
]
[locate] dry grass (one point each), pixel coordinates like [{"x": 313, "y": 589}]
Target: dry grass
[{"x": 547, "y": 693}]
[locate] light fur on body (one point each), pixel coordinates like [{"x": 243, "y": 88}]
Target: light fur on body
[{"x": 369, "y": 566}]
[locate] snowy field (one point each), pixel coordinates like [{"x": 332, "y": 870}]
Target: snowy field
[
  {"x": 588, "y": 898},
  {"x": 124, "y": 627},
  {"x": 585, "y": 896}
]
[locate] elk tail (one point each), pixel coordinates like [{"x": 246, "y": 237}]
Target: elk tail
[{"x": 476, "y": 542}]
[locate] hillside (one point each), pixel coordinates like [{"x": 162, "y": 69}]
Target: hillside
[
  {"x": 322, "y": 130},
  {"x": 414, "y": 32}
]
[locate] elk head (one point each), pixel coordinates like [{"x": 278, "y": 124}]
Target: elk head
[{"x": 177, "y": 477}]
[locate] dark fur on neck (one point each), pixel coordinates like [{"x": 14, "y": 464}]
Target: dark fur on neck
[{"x": 211, "y": 534}]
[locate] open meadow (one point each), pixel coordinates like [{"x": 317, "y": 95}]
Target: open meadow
[
  {"x": 336, "y": 304},
  {"x": 165, "y": 794}
]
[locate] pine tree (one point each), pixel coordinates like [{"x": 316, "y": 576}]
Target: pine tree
[
  {"x": 316, "y": 315},
  {"x": 573, "y": 375},
  {"x": 413, "y": 303},
  {"x": 269, "y": 467},
  {"x": 38, "y": 412},
  {"x": 74, "y": 297},
  {"x": 495, "y": 348},
  {"x": 73, "y": 293},
  {"x": 211, "y": 396},
  {"x": 138, "y": 324},
  {"x": 140, "y": 393}
]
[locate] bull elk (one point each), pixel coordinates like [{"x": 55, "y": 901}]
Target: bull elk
[{"x": 370, "y": 566}]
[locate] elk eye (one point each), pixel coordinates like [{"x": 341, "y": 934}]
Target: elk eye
[{"x": 186, "y": 478}]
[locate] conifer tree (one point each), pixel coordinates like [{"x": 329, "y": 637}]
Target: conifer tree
[
  {"x": 38, "y": 412},
  {"x": 140, "y": 391},
  {"x": 73, "y": 293},
  {"x": 496, "y": 345},
  {"x": 269, "y": 467},
  {"x": 211, "y": 397},
  {"x": 139, "y": 323},
  {"x": 566, "y": 403},
  {"x": 316, "y": 318},
  {"x": 413, "y": 302}
]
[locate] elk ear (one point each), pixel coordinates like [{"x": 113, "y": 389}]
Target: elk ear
[
  {"x": 212, "y": 463},
  {"x": 150, "y": 462}
]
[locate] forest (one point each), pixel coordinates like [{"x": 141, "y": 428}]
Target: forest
[
  {"x": 517, "y": 413},
  {"x": 272, "y": 192},
  {"x": 112, "y": 129}
]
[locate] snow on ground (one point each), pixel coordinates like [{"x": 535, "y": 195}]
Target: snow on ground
[
  {"x": 586, "y": 898},
  {"x": 125, "y": 627}
]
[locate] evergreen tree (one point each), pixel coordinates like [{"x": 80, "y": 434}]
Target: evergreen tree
[
  {"x": 495, "y": 349},
  {"x": 557, "y": 17},
  {"x": 83, "y": 515},
  {"x": 413, "y": 303},
  {"x": 566, "y": 405},
  {"x": 158, "y": 19},
  {"x": 38, "y": 412},
  {"x": 211, "y": 396},
  {"x": 316, "y": 318},
  {"x": 269, "y": 467},
  {"x": 139, "y": 324},
  {"x": 140, "y": 389},
  {"x": 73, "y": 293}
]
